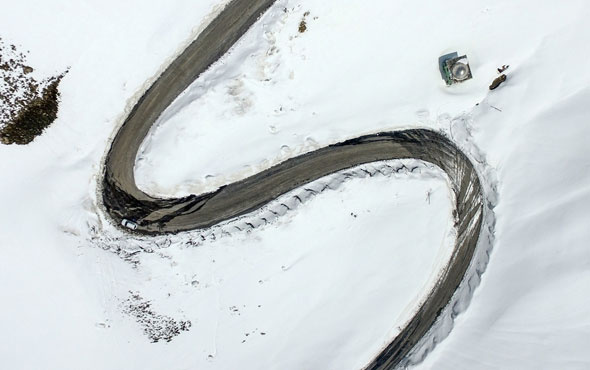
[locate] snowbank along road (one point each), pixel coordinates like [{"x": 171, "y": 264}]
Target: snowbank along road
[{"x": 123, "y": 200}]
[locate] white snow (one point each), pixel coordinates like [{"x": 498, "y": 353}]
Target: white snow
[
  {"x": 531, "y": 310},
  {"x": 331, "y": 287},
  {"x": 314, "y": 288}
]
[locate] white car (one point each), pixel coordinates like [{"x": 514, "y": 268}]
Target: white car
[{"x": 129, "y": 224}]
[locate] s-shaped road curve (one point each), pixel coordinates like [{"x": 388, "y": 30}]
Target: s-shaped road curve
[{"x": 122, "y": 198}]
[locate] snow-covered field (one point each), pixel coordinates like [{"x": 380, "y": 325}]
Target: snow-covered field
[{"x": 323, "y": 286}]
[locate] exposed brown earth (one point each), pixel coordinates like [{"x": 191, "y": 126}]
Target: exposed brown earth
[{"x": 27, "y": 106}]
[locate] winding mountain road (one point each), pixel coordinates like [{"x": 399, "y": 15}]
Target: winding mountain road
[{"x": 122, "y": 199}]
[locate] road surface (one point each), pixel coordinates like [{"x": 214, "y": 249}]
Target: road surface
[{"x": 122, "y": 199}]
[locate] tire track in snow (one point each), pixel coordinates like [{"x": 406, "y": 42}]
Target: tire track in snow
[{"x": 122, "y": 199}]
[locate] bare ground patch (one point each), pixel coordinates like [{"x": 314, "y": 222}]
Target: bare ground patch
[
  {"x": 27, "y": 105},
  {"x": 155, "y": 326}
]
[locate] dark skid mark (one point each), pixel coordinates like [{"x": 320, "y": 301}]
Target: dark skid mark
[{"x": 122, "y": 198}]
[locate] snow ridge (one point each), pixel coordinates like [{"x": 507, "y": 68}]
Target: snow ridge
[
  {"x": 128, "y": 247},
  {"x": 459, "y": 130}
]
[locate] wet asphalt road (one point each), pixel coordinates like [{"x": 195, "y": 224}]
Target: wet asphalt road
[{"x": 122, "y": 198}]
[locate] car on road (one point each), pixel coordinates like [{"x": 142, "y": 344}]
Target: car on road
[{"x": 129, "y": 224}]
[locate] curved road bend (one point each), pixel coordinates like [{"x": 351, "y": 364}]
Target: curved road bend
[{"x": 122, "y": 198}]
